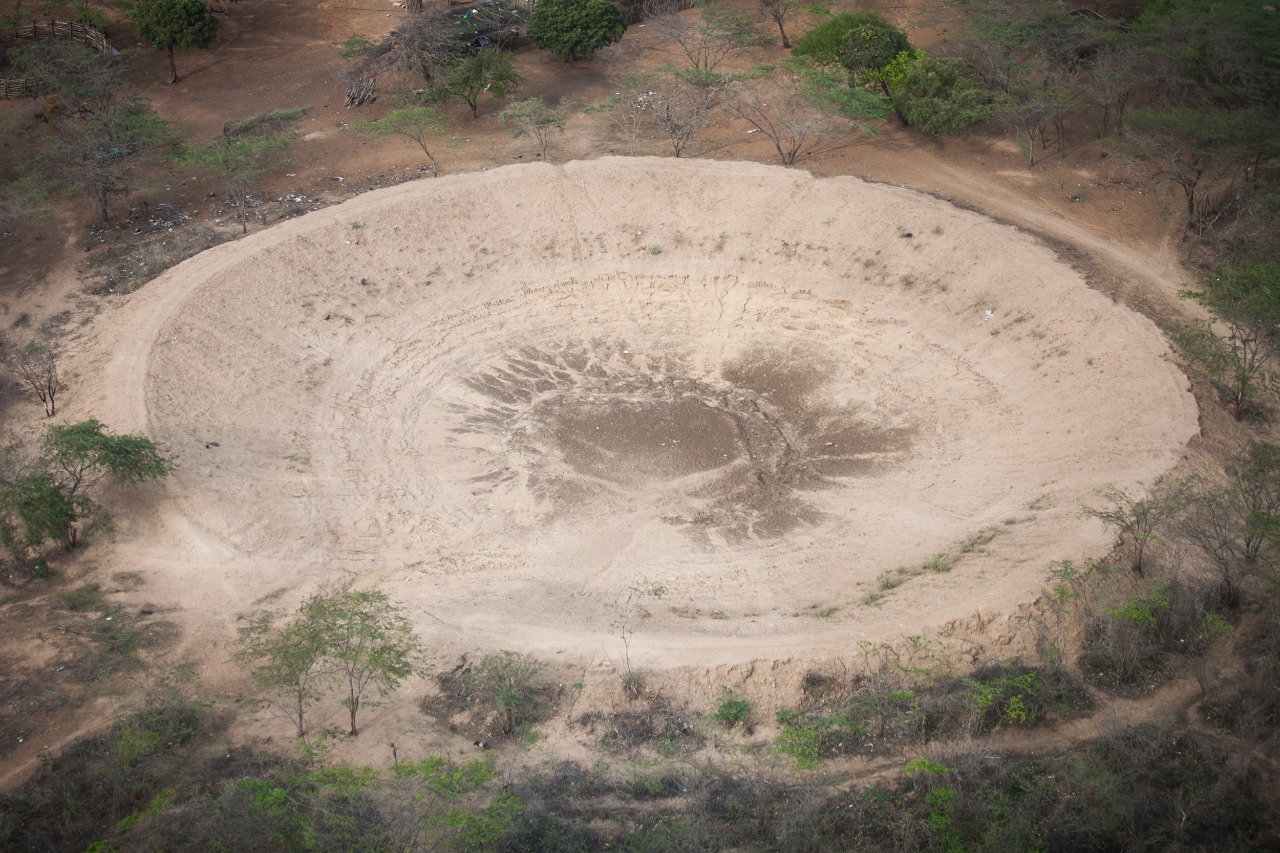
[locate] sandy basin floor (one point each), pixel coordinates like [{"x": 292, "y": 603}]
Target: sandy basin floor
[{"x": 704, "y": 403}]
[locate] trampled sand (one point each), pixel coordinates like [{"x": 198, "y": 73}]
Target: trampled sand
[{"x": 703, "y": 403}]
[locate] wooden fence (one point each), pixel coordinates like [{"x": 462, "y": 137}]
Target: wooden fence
[
  {"x": 84, "y": 33},
  {"x": 17, "y": 88}
]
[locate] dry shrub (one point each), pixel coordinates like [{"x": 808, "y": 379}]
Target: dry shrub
[{"x": 670, "y": 729}]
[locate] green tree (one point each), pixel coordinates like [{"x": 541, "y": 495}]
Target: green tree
[
  {"x": 1139, "y": 521},
  {"x": 1244, "y": 300},
  {"x": 511, "y": 682},
  {"x": 822, "y": 44},
  {"x": 239, "y": 162},
  {"x": 422, "y": 125},
  {"x": 359, "y": 638},
  {"x": 534, "y": 118},
  {"x": 1236, "y": 527},
  {"x": 944, "y": 96},
  {"x": 367, "y": 640},
  {"x": 868, "y": 46},
  {"x": 168, "y": 24},
  {"x": 244, "y": 153},
  {"x": 37, "y": 509},
  {"x": 473, "y": 74},
  {"x": 83, "y": 454},
  {"x": 574, "y": 28},
  {"x": 288, "y": 660},
  {"x": 45, "y": 500},
  {"x": 97, "y": 152}
]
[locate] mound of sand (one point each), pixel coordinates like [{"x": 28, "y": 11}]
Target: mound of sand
[{"x": 705, "y": 403}]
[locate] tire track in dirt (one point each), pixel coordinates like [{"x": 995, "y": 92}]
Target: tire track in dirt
[{"x": 358, "y": 447}]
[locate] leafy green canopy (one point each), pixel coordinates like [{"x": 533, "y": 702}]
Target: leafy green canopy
[
  {"x": 43, "y": 502},
  {"x": 1244, "y": 299},
  {"x": 869, "y": 46},
  {"x": 367, "y": 640},
  {"x": 36, "y": 510},
  {"x": 944, "y": 96},
  {"x": 360, "y": 639},
  {"x": 166, "y": 24},
  {"x": 573, "y": 28},
  {"x": 83, "y": 453},
  {"x": 422, "y": 125},
  {"x": 474, "y": 74},
  {"x": 863, "y": 37}
]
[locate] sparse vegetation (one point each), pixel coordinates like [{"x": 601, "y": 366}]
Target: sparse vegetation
[
  {"x": 535, "y": 119},
  {"x": 510, "y": 684},
  {"x": 245, "y": 152},
  {"x": 732, "y": 709},
  {"x": 360, "y": 640},
  {"x": 1185, "y": 96},
  {"x": 47, "y": 498},
  {"x": 36, "y": 365}
]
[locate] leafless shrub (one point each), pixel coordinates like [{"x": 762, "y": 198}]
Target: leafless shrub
[
  {"x": 782, "y": 112},
  {"x": 671, "y": 729},
  {"x": 36, "y": 366}
]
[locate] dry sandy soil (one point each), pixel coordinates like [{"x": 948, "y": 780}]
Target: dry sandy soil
[
  {"x": 699, "y": 404},
  {"x": 530, "y": 402}
]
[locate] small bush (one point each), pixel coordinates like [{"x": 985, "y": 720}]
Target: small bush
[
  {"x": 510, "y": 682},
  {"x": 813, "y": 735},
  {"x": 670, "y": 730},
  {"x": 1130, "y": 642},
  {"x": 357, "y": 45},
  {"x": 83, "y": 598},
  {"x": 732, "y": 709},
  {"x": 803, "y": 742}
]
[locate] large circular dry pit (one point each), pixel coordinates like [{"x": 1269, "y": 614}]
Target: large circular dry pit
[{"x": 705, "y": 404}]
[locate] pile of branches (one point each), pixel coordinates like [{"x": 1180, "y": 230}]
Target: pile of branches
[{"x": 428, "y": 41}]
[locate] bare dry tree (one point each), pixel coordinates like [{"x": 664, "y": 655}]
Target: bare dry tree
[
  {"x": 705, "y": 37},
  {"x": 36, "y": 366},
  {"x": 683, "y": 103},
  {"x": 778, "y": 11},
  {"x": 787, "y": 116},
  {"x": 628, "y": 108}
]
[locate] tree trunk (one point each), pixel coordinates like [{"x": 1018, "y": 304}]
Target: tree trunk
[
  {"x": 786, "y": 42},
  {"x": 884, "y": 87},
  {"x": 355, "y": 706},
  {"x": 173, "y": 68}
]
